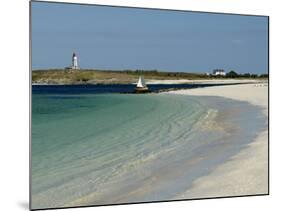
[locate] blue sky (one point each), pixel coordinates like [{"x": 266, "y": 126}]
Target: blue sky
[{"x": 126, "y": 38}]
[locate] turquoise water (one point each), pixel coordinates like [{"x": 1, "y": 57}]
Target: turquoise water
[{"x": 119, "y": 148}]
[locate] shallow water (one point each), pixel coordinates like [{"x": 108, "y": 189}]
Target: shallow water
[{"x": 111, "y": 148}]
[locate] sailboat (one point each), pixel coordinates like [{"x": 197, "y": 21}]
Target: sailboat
[{"x": 141, "y": 86}]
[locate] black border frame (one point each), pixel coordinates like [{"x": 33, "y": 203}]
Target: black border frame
[{"x": 131, "y": 7}]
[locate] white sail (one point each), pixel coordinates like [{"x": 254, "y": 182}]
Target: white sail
[{"x": 141, "y": 82}]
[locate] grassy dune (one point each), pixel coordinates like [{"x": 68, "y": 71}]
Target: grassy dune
[
  {"x": 85, "y": 76},
  {"x": 58, "y": 76}
]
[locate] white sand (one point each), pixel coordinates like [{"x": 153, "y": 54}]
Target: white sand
[
  {"x": 209, "y": 81},
  {"x": 246, "y": 173}
]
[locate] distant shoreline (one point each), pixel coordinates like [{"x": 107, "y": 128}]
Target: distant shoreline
[
  {"x": 155, "y": 86},
  {"x": 85, "y": 77},
  {"x": 167, "y": 82}
]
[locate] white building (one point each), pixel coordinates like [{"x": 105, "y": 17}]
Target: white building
[
  {"x": 74, "y": 61},
  {"x": 74, "y": 65},
  {"x": 219, "y": 72}
]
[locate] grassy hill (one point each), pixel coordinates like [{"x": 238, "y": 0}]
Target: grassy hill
[
  {"x": 91, "y": 76},
  {"x": 61, "y": 76}
]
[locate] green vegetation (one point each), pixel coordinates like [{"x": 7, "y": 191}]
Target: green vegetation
[
  {"x": 89, "y": 76},
  {"x": 233, "y": 74},
  {"x": 59, "y": 76}
]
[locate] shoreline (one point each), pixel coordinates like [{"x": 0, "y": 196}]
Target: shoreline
[
  {"x": 205, "y": 168},
  {"x": 246, "y": 173},
  {"x": 169, "y": 178},
  {"x": 157, "y": 82}
]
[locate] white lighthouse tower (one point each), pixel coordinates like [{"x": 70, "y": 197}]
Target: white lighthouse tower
[{"x": 74, "y": 61}]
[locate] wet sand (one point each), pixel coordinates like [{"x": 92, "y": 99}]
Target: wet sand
[{"x": 246, "y": 173}]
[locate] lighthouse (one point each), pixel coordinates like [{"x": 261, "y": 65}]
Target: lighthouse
[
  {"x": 74, "y": 61},
  {"x": 74, "y": 65}
]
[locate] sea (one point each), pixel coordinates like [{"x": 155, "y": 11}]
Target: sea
[{"x": 101, "y": 144}]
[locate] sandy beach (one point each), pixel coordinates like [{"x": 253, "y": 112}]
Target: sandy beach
[
  {"x": 204, "y": 81},
  {"x": 246, "y": 173},
  {"x": 178, "y": 146}
]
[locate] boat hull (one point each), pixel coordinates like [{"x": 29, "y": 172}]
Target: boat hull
[{"x": 140, "y": 90}]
